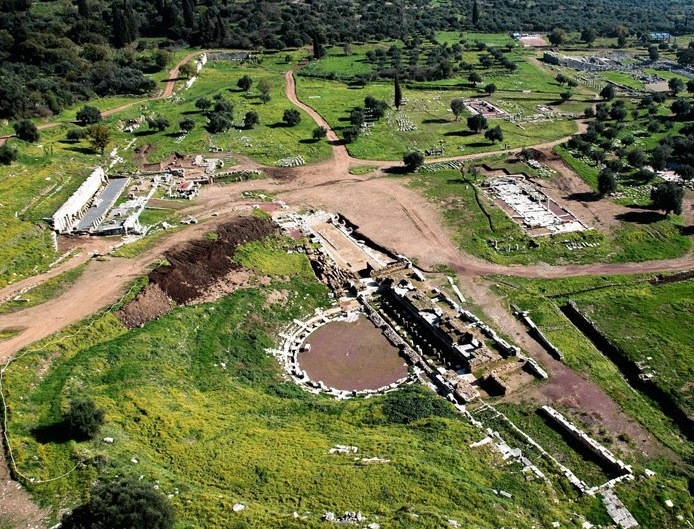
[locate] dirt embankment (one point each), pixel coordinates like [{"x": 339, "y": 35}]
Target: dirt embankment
[{"x": 195, "y": 269}]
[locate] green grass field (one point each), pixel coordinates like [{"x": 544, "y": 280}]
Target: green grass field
[
  {"x": 499, "y": 239},
  {"x": 194, "y": 398}
]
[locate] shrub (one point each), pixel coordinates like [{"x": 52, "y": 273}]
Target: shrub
[
  {"x": 412, "y": 404},
  {"x": 413, "y": 160},
  {"x": 89, "y": 115},
  {"x": 126, "y": 504},
  {"x": 84, "y": 419},
  {"x": 7, "y": 154}
]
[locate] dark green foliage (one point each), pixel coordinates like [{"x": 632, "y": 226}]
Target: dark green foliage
[
  {"x": 76, "y": 134},
  {"x": 377, "y": 107},
  {"x": 319, "y": 133},
  {"x": 357, "y": 117},
  {"x": 474, "y": 78},
  {"x": 26, "y": 130},
  {"x": 475, "y": 13},
  {"x": 668, "y": 197},
  {"x": 676, "y": 85},
  {"x": 494, "y": 134},
  {"x": 565, "y": 96},
  {"x": 397, "y": 93},
  {"x": 88, "y": 115},
  {"x": 414, "y": 403},
  {"x": 557, "y": 37},
  {"x": 606, "y": 182},
  {"x": 588, "y": 35},
  {"x": 7, "y": 154},
  {"x": 218, "y": 122},
  {"x": 245, "y": 83},
  {"x": 636, "y": 157},
  {"x": 350, "y": 134},
  {"x": 291, "y": 117},
  {"x": 490, "y": 88},
  {"x": 477, "y": 123},
  {"x": 126, "y": 504},
  {"x": 203, "y": 104},
  {"x": 84, "y": 419},
  {"x": 159, "y": 123},
  {"x": 608, "y": 92},
  {"x": 413, "y": 160},
  {"x": 224, "y": 106},
  {"x": 187, "y": 124},
  {"x": 125, "y": 23},
  {"x": 251, "y": 119},
  {"x": 457, "y": 107}
]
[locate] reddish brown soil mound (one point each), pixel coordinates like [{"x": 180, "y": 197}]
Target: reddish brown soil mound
[
  {"x": 197, "y": 266},
  {"x": 149, "y": 304}
]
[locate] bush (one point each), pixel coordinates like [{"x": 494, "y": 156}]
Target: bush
[
  {"x": 76, "y": 134},
  {"x": 412, "y": 404},
  {"x": 89, "y": 115},
  {"x": 84, "y": 419},
  {"x": 126, "y": 504},
  {"x": 26, "y": 130},
  {"x": 291, "y": 117},
  {"x": 7, "y": 154},
  {"x": 413, "y": 160}
]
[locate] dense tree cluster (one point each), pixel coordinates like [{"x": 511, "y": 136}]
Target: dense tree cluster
[{"x": 50, "y": 59}]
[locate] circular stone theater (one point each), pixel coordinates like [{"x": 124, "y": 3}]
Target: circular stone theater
[{"x": 351, "y": 355}]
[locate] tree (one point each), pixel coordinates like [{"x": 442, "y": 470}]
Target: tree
[
  {"x": 588, "y": 35},
  {"x": 668, "y": 197},
  {"x": 99, "y": 137},
  {"x": 457, "y": 107},
  {"x": 350, "y": 134},
  {"x": 319, "y": 133},
  {"x": 162, "y": 58},
  {"x": 26, "y": 130},
  {"x": 159, "y": 123},
  {"x": 265, "y": 98},
  {"x": 618, "y": 112},
  {"x": 397, "y": 93},
  {"x": 557, "y": 37},
  {"x": 686, "y": 172},
  {"x": 653, "y": 53},
  {"x": 606, "y": 182},
  {"x": 125, "y": 504},
  {"x": 490, "y": 88},
  {"x": 589, "y": 113},
  {"x": 7, "y": 154},
  {"x": 291, "y": 117},
  {"x": 475, "y": 13},
  {"x": 690, "y": 86},
  {"x": 357, "y": 117},
  {"x": 203, "y": 104},
  {"x": 572, "y": 83},
  {"x": 245, "y": 83},
  {"x": 224, "y": 106},
  {"x": 187, "y": 70},
  {"x": 675, "y": 85},
  {"x": 565, "y": 96},
  {"x": 474, "y": 78},
  {"x": 264, "y": 86},
  {"x": 125, "y": 26},
  {"x": 88, "y": 115},
  {"x": 251, "y": 119},
  {"x": 477, "y": 123},
  {"x": 83, "y": 418},
  {"x": 608, "y": 92},
  {"x": 561, "y": 79},
  {"x": 218, "y": 122},
  {"x": 187, "y": 125},
  {"x": 494, "y": 134},
  {"x": 636, "y": 158},
  {"x": 413, "y": 160}
]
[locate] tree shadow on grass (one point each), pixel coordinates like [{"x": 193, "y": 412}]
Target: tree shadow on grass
[
  {"x": 308, "y": 141},
  {"x": 435, "y": 121},
  {"x": 81, "y": 150},
  {"x": 641, "y": 217},
  {"x": 278, "y": 125},
  {"x": 396, "y": 170},
  {"x": 587, "y": 196},
  {"x": 460, "y": 133},
  {"x": 687, "y": 230},
  {"x": 141, "y": 133},
  {"x": 57, "y": 432}
]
